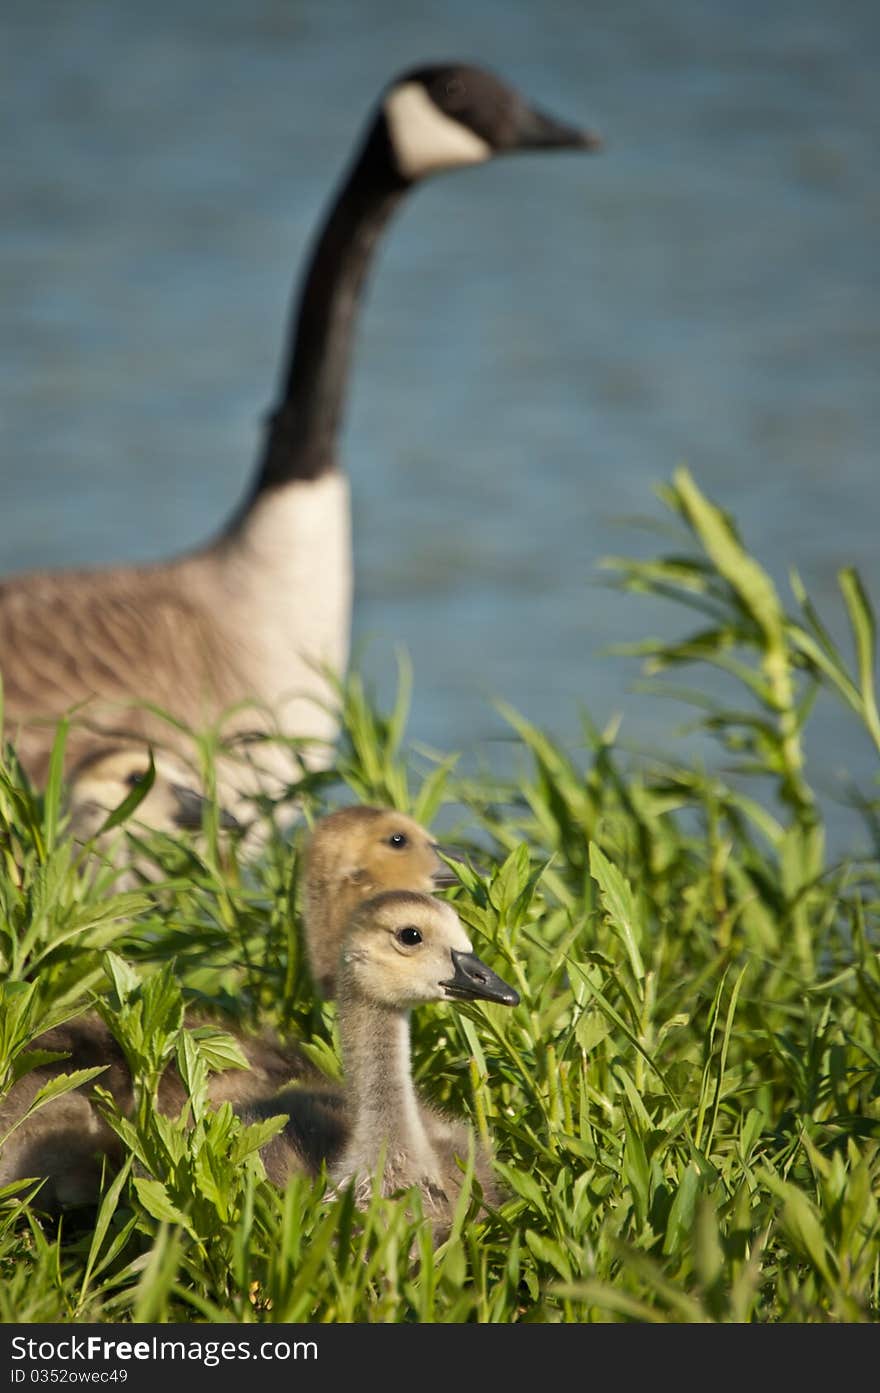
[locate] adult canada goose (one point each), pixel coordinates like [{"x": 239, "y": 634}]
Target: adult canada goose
[
  {"x": 353, "y": 854},
  {"x": 400, "y": 950},
  {"x": 66, "y": 1140},
  {"x": 250, "y": 624}
]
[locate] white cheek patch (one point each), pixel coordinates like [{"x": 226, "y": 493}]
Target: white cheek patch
[{"x": 424, "y": 139}]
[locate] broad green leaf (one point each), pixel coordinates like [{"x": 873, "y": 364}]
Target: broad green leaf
[
  {"x": 156, "y": 1201},
  {"x": 550, "y": 1251},
  {"x": 619, "y": 904},
  {"x": 55, "y": 1088},
  {"x": 864, "y": 628},
  {"x": 681, "y": 1213}
]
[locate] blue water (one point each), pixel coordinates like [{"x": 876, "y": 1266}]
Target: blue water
[{"x": 544, "y": 339}]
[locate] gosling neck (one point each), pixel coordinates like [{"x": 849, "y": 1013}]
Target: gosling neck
[
  {"x": 304, "y": 427},
  {"x": 378, "y": 1081}
]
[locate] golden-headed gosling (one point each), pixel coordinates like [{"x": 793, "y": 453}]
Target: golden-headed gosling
[{"x": 353, "y": 854}]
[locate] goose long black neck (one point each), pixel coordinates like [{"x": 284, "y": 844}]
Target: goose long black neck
[{"x": 304, "y": 427}]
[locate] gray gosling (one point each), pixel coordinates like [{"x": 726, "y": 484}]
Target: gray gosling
[
  {"x": 351, "y": 855},
  {"x": 244, "y": 629},
  {"x": 401, "y": 950}
]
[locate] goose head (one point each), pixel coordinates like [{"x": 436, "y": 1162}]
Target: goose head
[
  {"x": 446, "y": 115},
  {"x": 353, "y": 854},
  {"x": 371, "y": 849},
  {"x": 104, "y": 779},
  {"x": 402, "y": 949}
]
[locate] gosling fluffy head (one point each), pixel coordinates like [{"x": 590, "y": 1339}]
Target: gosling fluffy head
[
  {"x": 356, "y": 853},
  {"x": 402, "y": 949},
  {"x": 103, "y": 780}
]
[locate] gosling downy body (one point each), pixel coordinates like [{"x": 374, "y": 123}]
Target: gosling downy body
[
  {"x": 401, "y": 950},
  {"x": 67, "y": 1140},
  {"x": 67, "y": 1143},
  {"x": 243, "y": 630},
  {"x": 352, "y": 855}
]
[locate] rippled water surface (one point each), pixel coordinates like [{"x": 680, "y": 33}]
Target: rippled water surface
[{"x": 543, "y": 341}]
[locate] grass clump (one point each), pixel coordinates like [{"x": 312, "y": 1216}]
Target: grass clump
[{"x": 685, "y": 1106}]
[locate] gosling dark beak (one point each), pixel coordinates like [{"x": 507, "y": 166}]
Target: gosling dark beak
[
  {"x": 190, "y": 810},
  {"x": 474, "y": 981},
  {"x": 443, "y": 877},
  {"x": 538, "y": 130}
]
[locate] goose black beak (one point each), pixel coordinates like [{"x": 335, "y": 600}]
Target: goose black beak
[
  {"x": 190, "y": 807},
  {"x": 538, "y": 130},
  {"x": 474, "y": 981}
]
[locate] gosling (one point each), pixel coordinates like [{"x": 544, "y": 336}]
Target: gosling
[
  {"x": 400, "y": 950},
  {"x": 67, "y": 1140},
  {"x": 100, "y": 782},
  {"x": 353, "y": 854}
]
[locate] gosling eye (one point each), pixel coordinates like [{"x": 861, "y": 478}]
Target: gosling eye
[
  {"x": 408, "y": 936},
  {"x": 134, "y": 779},
  {"x": 398, "y": 840}
]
